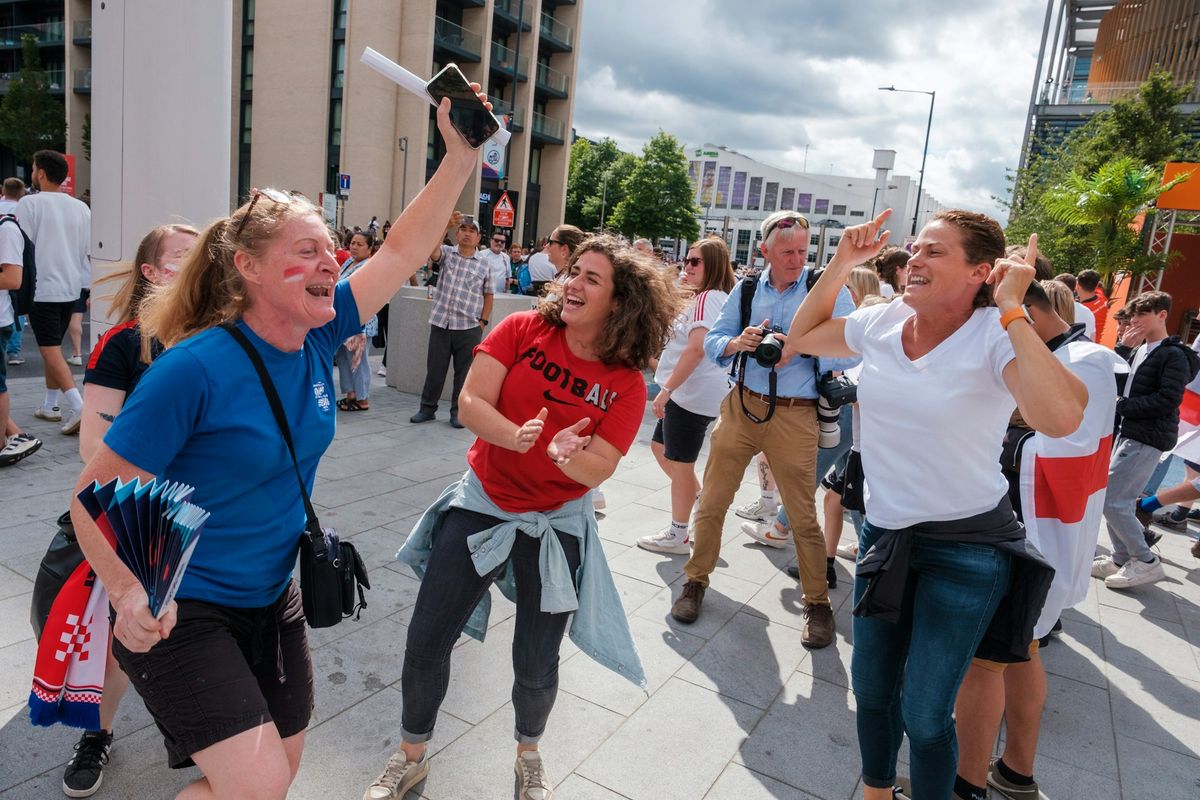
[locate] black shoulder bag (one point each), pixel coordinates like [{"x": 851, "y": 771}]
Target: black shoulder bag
[{"x": 330, "y": 571}]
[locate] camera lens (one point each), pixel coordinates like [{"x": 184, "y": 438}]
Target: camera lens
[
  {"x": 769, "y": 351},
  {"x": 829, "y": 434}
]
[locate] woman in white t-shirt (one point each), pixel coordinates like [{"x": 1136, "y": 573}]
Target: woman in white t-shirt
[
  {"x": 942, "y": 370},
  {"x": 692, "y": 388}
]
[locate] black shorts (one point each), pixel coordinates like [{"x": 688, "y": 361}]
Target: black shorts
[
  {"x": 846, "y": 480},
  {"x": 224, "y": 671},
  {"x": 681, "y": 433},
  {"x": 49, "y": 322},
  {"x": 81, "y": 303}
]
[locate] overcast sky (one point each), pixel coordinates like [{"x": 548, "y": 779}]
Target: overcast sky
[{"x": 767, "y": 77}]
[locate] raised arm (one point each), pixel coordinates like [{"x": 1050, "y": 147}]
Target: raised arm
[
  {"x": 419, "y": 228},
  {"x": 814, "y": 330},
  {"x": 1049, "y": 396}
]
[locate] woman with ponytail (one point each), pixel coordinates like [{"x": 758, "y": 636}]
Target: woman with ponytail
[{"x": 226, "y": 672}]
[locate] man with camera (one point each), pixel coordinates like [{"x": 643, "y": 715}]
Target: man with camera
[{"x": 772, "y": 409}]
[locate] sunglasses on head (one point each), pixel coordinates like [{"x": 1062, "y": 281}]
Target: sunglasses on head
[
  {"x": 274, "y": 195},
  {"x": 785, "y": 223},
  {"x": 694, "y": 261}
]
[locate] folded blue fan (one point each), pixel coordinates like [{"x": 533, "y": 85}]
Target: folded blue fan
[{"x": 156, "y": 530}]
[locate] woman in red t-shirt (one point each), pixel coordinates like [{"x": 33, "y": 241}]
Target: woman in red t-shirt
[{"x": 555, "y": 397}]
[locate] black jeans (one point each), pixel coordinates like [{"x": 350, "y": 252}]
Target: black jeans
[
  {"x": 445, "y": 344},
  {"x": 449, "y": 591}
]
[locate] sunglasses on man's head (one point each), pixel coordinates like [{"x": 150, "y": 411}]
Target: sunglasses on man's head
[
  {"x": 694, "y": 261},
  {"x": 785, "y": 223}
]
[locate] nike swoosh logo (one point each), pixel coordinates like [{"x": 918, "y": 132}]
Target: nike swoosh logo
[{"x": 546, "y": 394}]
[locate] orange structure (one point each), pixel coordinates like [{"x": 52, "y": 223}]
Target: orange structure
[{"x": 1137, "y": 36}]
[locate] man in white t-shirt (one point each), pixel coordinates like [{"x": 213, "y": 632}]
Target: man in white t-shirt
[
  {"x": 496, "y": 257},
  {"x": 60, "y": 228},
  {"x": 14, "y": 445},
  {"x": 14, "y": 190},
  {"x": 541, "y": 270}
]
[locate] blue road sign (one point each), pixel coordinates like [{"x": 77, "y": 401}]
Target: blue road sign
[{"x": 344, "y": 183}]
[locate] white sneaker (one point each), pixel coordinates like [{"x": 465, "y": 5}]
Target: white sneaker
[
  {"x": 1135, "y": 572},
  {"x": 1103, "y": 566},
  {"x": 665, "y": 542},
  {"x": 381, "y": 372},
  {"x": 531, "y": 774},
  {"x": 75, "y": 361},
  {"x": 848, "y": 552},
  {"x": 598, "y": 499},
  {"x": 17, "y": 447},
  {"x": 758, "y": 511},
  {"x": 767, "y": 534},
  {"x": 70, "y": 425},
  {"x": 48, "y": 414}
]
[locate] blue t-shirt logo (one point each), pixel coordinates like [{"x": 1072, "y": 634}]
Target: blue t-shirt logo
[{"x": 322, "y": 395}]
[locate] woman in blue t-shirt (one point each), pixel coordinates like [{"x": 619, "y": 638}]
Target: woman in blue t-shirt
[{"x": 226, "y": 672}]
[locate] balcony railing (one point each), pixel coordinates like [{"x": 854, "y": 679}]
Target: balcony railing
[
  {"x": 516, "y": 116},
  {"x": 81, "y": 31},
  {"x": 503, "y": 59},
  {"x": 55, "y": 80},
  {"x": 552, "y": 80},
  {"x": 83, "y": 81},
  {"x": 1084, "y": 93},
  {"x": 462, "y": 41},
  {"x": 509, "y": 9},
  {"x": 556, "y": 32},
  {"x": 46, "y": 33},
  {"x": 548, "y": 127}
]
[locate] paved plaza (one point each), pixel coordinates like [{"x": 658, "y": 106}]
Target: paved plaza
[{"x": 736, "y": 709}]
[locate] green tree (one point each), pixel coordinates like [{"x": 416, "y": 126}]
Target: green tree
[
  {"x": 589, "y": 195},
  {"x": 1104, "y": 204},
  {"x": 658, "y": 196},
  {"x": 30, "y": 117},
  {"x": 1146, "y": 127}
]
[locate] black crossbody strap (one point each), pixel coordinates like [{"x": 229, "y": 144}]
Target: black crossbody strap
[{"x": 314, "y": 527}]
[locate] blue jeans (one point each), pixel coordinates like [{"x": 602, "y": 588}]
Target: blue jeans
[
  {"x": 826, "y": 458},
  {"x": 449, "y": 592},
  {"x": 354, "y": 379},
  {"x": 14, "y": 344},
  {"x": 906, "y": 675}
]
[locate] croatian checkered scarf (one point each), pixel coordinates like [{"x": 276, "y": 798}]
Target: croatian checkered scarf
[{"x": 68, "y": 676}]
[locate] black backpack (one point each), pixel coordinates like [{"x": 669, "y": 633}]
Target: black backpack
[{"x": 22, "y": 298}]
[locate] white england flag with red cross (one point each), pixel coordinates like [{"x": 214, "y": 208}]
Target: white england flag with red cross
[
  {"x": 1063, "y": 481},
  {"x": 1187, "y": 446}
]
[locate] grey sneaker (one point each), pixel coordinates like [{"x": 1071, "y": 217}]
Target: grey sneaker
[
  {"x": 399, "y": 776},
  {"x": 1012, "y": 791},
  {"x": 70, "y": 421},
  {"x": 531, "y": 774},
  {"x": 85, "y": 771},
  {"x": 1103, "y": 566},
  {"x": 758, "y": 511},
  {"x": 48, "y": 414}
]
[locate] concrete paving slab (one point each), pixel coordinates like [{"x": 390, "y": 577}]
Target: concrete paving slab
[
  {"x": 739, "y": 783},
  {"x": 1149, "y": 771}
]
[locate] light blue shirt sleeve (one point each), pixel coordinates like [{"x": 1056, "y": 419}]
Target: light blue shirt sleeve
[
  {"x": 842, "y": 308},
  {"x": 727, "y": 326}
]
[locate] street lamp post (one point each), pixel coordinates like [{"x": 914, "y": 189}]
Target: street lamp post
[
  {"x": 925, "y": 152},
  {"x": 603, "y": 199},
  {"x": 404, "y": 173}
]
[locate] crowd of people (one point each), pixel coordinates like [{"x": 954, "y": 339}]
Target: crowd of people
[{"x": 949, "y": 396}]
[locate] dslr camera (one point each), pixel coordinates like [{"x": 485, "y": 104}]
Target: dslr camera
[{"x": 770, "y": 349}]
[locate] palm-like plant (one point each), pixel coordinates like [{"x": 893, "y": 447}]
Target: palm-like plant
[{"x": 1106, "y": 204}]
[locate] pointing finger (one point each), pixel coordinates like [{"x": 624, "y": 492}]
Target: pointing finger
[
  {"x": 882, "y": 218},
  {"x": 1031, "y": 250}
]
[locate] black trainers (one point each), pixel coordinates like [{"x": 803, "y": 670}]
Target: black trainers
[{"x": 86, "y": 770}]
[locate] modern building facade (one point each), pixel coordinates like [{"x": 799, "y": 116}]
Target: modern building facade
[
  {"x": 1095, "y": 52},
  {"x": 736, "y": 193},
  {"x": 305, "y": 109}
]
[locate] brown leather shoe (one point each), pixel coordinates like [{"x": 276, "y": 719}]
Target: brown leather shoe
[
  {"x": 686, "y": 607},
  {"x": 818, "y": 626}
]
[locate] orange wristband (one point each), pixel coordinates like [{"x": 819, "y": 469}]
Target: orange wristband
[{"x": 1012, "y": 314}]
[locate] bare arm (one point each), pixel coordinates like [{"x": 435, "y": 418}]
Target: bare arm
[
  {"x": 1049, "y": 396},
  {"x": 591, "y": 465},
  {"x": 477, "y": 404},
  {"x": 689, "y": 359},
  {"x": 814, "y": 330},
  {"x": 419, "y": 228},
  {"x": 136, "y": 627},
  {"x": 10, "y": 276},
  {"x": 100, "y": 407}
]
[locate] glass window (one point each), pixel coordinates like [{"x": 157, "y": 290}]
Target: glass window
[
  {"x": 754, "y": 200},
  {"x": 833, "y": 241},
  {"x": 535, "y": 165},
  {"x": 815, "y": 239},
  {"x": 739, "y": 190},
  {"x": 339, "y": 14},
  {"x": 723, "y": 176},
  {"x": 812, "y": 257},
  {"x": 822, "y": 207},
  {"x": 247, "y": 69},
  {"x": 788, "y": 200},
  {"x": 858, "y": 213},
  {"x": 839, "y": 211},
  {"x": 804, "y": 203},
  {"x": 770, "y": 197},
  {"x": 335, "y": 123},
  {"x": 339, "y": 64},
  {"x": 247, "y": 121}
]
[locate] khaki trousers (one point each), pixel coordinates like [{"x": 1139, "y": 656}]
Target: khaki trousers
[{"x": 789, "y": 440}]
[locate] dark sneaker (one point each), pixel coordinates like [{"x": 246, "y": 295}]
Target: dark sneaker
[
  {"x": 422, "y": 416},
  {"x": 1194, "y": 515},
  {"x": 1009, "y": 790},
  {"x": 454, "y": 423},
  {"x": 818, "y": 626},
  {"x": 1175, "y": 520},
  {"x": 1151, "y": 536},
  {"x": 85, "y": 771},
  {"x": 686, "y": 607},
  {"x": 1144, "y": 517},
  {"x": 398, "y": 777}
]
